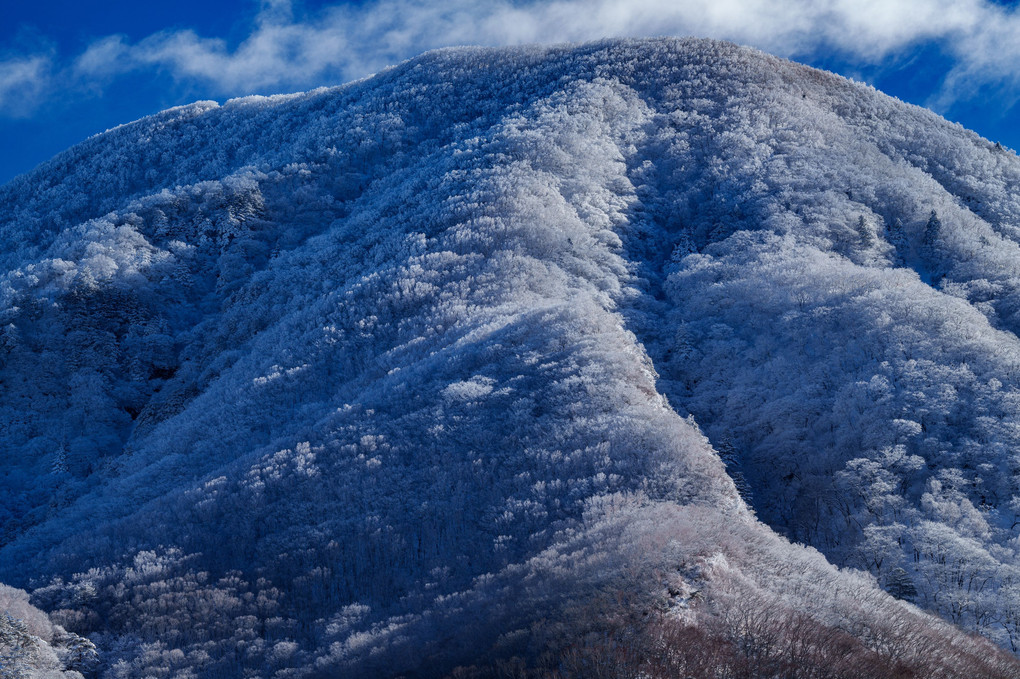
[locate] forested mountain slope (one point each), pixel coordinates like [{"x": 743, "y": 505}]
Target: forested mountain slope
[{"x": 474, "y": 359}]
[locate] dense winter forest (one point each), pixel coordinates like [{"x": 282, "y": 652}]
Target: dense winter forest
[{"x": 654, "y": 358}]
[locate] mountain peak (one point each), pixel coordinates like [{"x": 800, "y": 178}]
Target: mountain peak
[{"x": 337, "y": 381}]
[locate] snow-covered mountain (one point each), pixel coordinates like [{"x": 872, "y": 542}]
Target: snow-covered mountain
[{"x": 497, "y": 358}]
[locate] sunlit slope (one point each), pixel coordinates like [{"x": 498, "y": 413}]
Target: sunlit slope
[{"x": 302, "y": 384}]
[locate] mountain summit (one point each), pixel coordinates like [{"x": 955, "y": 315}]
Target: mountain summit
[{"x": 530, "y": 358}]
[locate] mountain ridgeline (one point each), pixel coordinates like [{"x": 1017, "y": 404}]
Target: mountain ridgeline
[{"x": 524, "y": 361}]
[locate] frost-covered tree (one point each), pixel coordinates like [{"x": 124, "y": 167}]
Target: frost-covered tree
[{"x": 325, "y": 384}]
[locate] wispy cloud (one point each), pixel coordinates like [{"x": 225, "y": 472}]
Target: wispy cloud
[
  {"x": 23, "y": 83},
  {"x": 283, "y": 51},
  {"x": 988, "y": 56}
]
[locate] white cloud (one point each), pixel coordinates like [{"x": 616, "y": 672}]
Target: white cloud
[
  {"x": 23, "y": 81},
  {"x": 343, "y": 42},
  {"x": 989, "y": 56},
  {"x": 105, "y": 57}
]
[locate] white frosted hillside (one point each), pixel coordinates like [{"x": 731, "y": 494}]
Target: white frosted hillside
[
  {"x": 396, "y": 376},
  {"x": 32, "y": 647}
]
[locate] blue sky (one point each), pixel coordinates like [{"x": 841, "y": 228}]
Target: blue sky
[{"x": 70, "y": 69}]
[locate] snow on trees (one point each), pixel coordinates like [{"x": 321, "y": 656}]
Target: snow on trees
[{"x": 297, "y": 384}]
